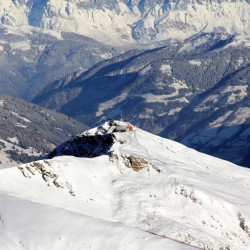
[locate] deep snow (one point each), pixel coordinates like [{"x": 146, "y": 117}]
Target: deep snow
[{"x": 145, "y": 191}]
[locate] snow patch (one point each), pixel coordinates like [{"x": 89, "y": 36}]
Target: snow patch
[
  {"x": 14, "y": 140},
  {"x": 174, "y": 111},
  {"x": 220, "y": 121},
  {"x": 2, "y": 103},
  {"x": 236, "y": 93},
  {"x": 22, "y": 45},
  {"x": 177, "y": 85},
  {"x": 110, "y": 104},
  {"x": 20, "y": 125},
  {"x": 166, "y": 69},
  {"x": 241, "y": 116},
  {"x": 195, "y": 62},
  {"x": 21, "y": 117}
]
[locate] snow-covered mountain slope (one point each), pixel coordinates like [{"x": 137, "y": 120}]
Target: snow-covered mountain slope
[
  {"x": 149, "y": 188},
  {"x": 126, "y": 21},
  {"x": 30, "y": 58},
  {"x": 160, "y": 90},
  {"x": 28, "y": 225},
  {"x": 28, "y": 131}
]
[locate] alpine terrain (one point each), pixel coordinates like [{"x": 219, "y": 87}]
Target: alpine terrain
[
  {"x": 28, "y": 131},
  {"x": 32, "y": 58},
  {"x": 130, "y": 21},
  {"x": 173, "y": 69},
  {"x": 195, "y": 91},
  {"x": 184, "y": 74},
  {"x": 118, "y": 187}
]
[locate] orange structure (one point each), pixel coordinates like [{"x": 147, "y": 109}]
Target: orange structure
[{"x": 129, "y": 127}]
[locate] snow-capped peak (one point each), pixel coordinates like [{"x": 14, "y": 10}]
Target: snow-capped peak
[
  {"x": 94, "y": 142},
  {"x": 110, "y": 126},
  {"x": 128, "y": 177}
]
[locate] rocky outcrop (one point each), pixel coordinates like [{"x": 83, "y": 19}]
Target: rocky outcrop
[
  {"x": 136, "y": 163},
  {"x": 94, "y": 142},
  {"x": 49, "y": 173}
]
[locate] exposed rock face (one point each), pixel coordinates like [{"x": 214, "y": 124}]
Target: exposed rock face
[
  {"x": 85, "y": 146},
  {"x": 93, "y": 143},
  {"x": 50, "y": 174},
  {"x": 137, "y": 163}
]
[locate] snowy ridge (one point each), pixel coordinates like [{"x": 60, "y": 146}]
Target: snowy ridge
[
  {"x": 142, "y": 182},
  {"x": 124, "y": 22}
]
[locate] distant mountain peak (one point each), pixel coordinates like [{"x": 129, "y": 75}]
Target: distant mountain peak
[{"x": 124, "y": 22}]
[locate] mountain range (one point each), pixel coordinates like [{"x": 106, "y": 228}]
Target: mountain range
[
  {"x": 31, "y": 58},
  {"x": 196, "y": 92},
  {"x": 125, "y": 22},
  {"x": 177, "y": 69}
]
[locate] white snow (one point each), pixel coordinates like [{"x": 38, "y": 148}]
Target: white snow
[
  {"x": 166, "y": 69},
  {"x": 174, "y": 111},
  {"x": 177, "y": 85},
  {"x": 14, "y": 140},
  {"x": 240, "y": 61},
  {"x": 111, "y": 103},
  {"x": 2, "y": 103},
  {"x": 195, "y": 62},
  {"x": 128, "y": 23},
  {"x": 21, "y": 117},
  {"x": 21, "y": 45},
  {"x": 11, "y": 144},
  {"x": 234, "y": 94},
  {"x": 20, "y": 125},
  {"x": 241, "y": 116},
  {"x": 178, "y": 194},
  {"x": 221, "y": 120},
  {"x": 237, "y": 93},
  {"x": 55, "y": 33},
  {"x": 36, "y": 226},
  {"x": 239, "y": 40},
  {"x": 238, "y": 117}
]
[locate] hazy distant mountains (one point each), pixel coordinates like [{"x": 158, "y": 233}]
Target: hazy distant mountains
[
  {"x": 27, "y": 131},
  {"x": 32, "y": 58},
  {"x": 124, "y": 22},
  {"x": 178, "y": 90}
]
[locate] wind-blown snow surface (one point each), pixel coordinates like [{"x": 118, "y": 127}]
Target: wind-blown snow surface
[{"x": 139, "y": 194}]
